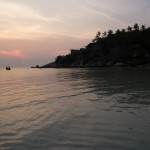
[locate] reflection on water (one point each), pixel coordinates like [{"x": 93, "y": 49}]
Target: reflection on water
[{"x": 69, "y": 109}]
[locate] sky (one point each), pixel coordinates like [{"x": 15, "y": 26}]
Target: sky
[{"x": 35, "y": 32}]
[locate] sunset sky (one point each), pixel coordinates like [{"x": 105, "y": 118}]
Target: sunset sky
[{"x": 36, "y": 31}]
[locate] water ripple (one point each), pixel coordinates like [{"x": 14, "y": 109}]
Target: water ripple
[{"x": 69, "y": 109}]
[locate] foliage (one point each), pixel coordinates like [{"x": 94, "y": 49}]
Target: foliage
[{"x": 130, "y": 46}]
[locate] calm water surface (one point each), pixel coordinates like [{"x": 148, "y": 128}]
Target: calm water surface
[{"x": 70, "y": 109}]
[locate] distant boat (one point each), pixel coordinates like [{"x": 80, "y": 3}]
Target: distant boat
[{"x": 8, "y": 68}]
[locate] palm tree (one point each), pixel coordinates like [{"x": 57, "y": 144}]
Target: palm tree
[
  {"x": 97, "y": 37},
  {"x": 143, "y": 27},
  {"x": 123, "y": 31},
  {"x": 104, "y": 34},
  {"x": 129, "y": 29},
  {"x": 136, "y": 27},
  {"x": 110, "y": 32},
  {"x": 118, "y": 31},
  {"x": 98, "y": 34}
]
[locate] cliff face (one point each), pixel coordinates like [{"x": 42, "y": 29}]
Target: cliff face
[{"x": 123, "y": 48}]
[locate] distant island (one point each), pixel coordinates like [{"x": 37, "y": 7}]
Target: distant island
[{"x": 126, "y": 47}]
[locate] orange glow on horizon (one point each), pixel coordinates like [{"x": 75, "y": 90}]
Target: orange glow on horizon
[{"x": 15, "y": 53}]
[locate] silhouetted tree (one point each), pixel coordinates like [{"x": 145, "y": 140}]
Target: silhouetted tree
[
  {"x": 143, "y": 27},
  {"x": 58, "y": 60},
  {"x": 118, "y": 32},
  {"x": 37, "y": 66},
  {"x": 129, "y": 29},
  {"x": 97, "y": 37},
  {"x": 123, "y": 31},
  {"x": 110, "y": 32},
  {"x": 98, "y": 34},
  {"x": 104, "y": 34},
  {"x": 136, "y": 27}
]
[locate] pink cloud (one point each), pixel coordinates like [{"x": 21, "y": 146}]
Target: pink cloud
[{"x": 14, "y": 53}]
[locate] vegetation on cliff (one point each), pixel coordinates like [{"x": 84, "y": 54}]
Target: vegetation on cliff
[{"x": 126, "y": 47}]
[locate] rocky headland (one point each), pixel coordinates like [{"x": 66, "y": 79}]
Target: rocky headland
[{"x": 126, "y": 47}]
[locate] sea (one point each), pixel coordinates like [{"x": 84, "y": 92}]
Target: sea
[{"x": 75, "y": 109}]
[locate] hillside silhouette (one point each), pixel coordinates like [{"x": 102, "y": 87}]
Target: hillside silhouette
[{"x": 125, "y": 47}]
